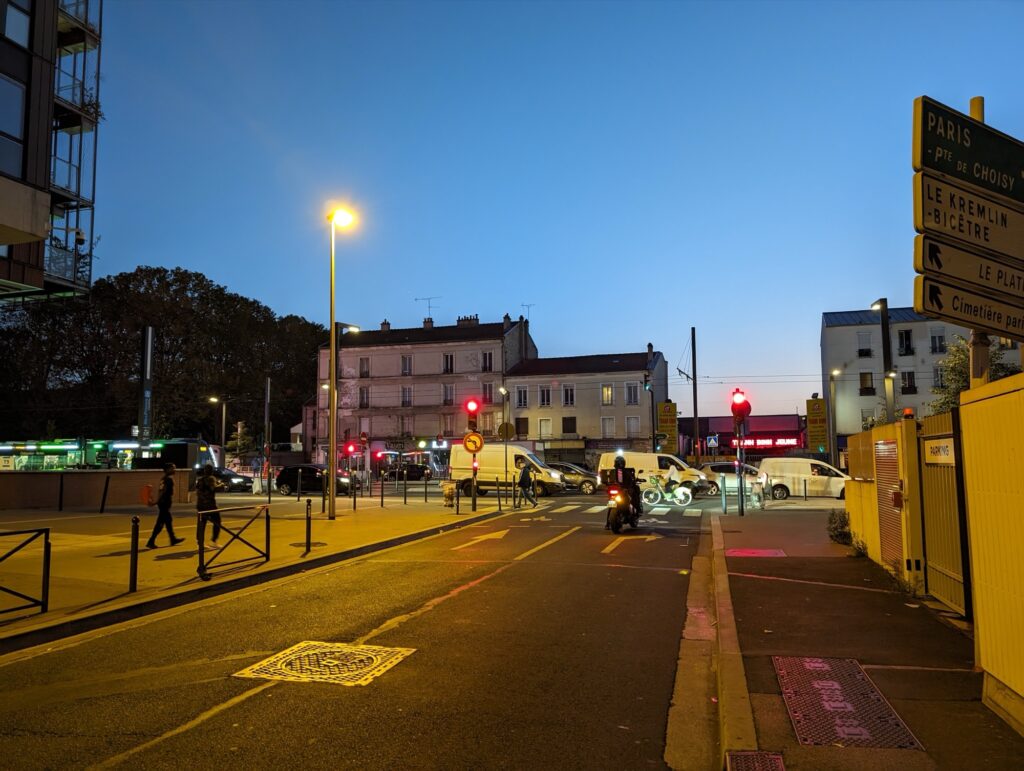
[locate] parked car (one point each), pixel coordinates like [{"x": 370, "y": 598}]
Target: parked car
[
  {"x": 312, "y": 479},
  {"x": 723, "y": 474},
  {"x": 416, "y": 472},
  {"x": 795, "y": 476},
  {"x": 574, "y": 476},
  {"x": 233, "y": 481}
]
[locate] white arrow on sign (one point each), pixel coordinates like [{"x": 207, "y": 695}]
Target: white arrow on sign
[
  {"x": 477, "y": 539},
  {"x": 614, "y": 544}
]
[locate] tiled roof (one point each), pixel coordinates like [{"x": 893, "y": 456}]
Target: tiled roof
[
  {"x": 566, "y": 365},
  {"x": 868, "y": 317},
  {"x": 436, "y": 334}
]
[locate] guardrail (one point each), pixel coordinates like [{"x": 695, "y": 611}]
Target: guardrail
[
  {"x": 235, "y": 535},
  {"x": 43, "y": 602}
]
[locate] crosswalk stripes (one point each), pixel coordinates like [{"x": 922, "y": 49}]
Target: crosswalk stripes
[
  {"x": 596, "y": 509},
  {"x": 563, "y": 509}
]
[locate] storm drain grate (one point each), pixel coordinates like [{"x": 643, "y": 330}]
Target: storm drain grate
[
  {"x": 755, "y": 553},
  {"x": 324, "y": 662},
  {"x": 833, "y": 702},
  {"x": 754, "y": 761}
]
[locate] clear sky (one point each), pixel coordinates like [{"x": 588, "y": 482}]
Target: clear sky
[{"x": 626, "y": 169}]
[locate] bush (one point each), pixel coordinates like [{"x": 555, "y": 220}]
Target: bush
[{"x": 839, "y": 527}]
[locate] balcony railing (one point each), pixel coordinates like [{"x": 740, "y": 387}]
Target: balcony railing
[
  {"x": 864, "y": 353},
  {"x": 867, "y": 390},
  {"x": 908, "y": 389},
  {"x": 67, "y": 264},
  {"x": 65, "y": 175},
  {"x": 907, "y": 351}
]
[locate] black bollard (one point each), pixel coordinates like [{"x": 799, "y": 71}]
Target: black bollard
[
  {"x": 309, "y": 523},
  {"x": 382, "y": 492},
  {"x": 458, "y": 496},
  {"x": 424, "y": 488},
  {"x": 133, "y": 565},
  {"x": 497, "y": 490},
  {"x": 405, "y": 486}
]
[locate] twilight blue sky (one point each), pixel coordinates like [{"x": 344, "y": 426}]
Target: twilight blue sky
[{"x": 630, "y": 169}]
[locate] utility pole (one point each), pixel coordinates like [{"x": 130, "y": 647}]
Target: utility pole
[{"x": 696, "y": 421}]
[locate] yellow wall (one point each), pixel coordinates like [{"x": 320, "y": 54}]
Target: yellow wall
[{"x": 992, "y": 421}]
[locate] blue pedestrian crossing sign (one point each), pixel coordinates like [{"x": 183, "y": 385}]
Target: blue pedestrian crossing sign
[{"x": 713, "y": 440}]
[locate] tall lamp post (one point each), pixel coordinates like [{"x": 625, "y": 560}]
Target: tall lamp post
[
  {"x": 888, "y": 375},
  {"x": 832, "y": 439},
  {"x": 344, "y": 219},
  {"x": 504, "y": 433},
  {"x": 223, "y": 423}
]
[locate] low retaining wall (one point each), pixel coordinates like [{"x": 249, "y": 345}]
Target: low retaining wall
[{"x": 59, "y": 490}]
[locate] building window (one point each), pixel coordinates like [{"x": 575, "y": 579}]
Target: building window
[
  {"x": 867, "y": 418},
  {"x": 939, "y": 377},
  {"x": 364, "y": 366},
  {"x": 632, "y": 394},
  {"x": 522, "y": 400},
  {"x": 522, "y": 427},
  {"x": 16, "y": 26},
  {"x": 905, "y": 342},
  {"x": 449, "y": 364},
  {"x": 867, "y": 384},
  {"x": 545, "y": 428},
  {"x": 12, "y": 125},
  {"x": 487, "y": 422},
  {"x": 607, "y": 395},
  {"x": 404, "y": 425},
  {"x": 864, "y": 344},
  {"x": 607, "y": 428},
  {"x": 488, "y": 393},
  {"x": 568, "y": 396},
  {"x": 938, "y": 338},
  {"x": 407, "y": 365},
  {"x": 448, "y": 425},
  {"x": 449, "y": 393},
  {"x": 407, "y": 396},
  {"x": 907, "y": 383},
  {"x": 364, "y": 397},
  {"x": 544, "y": 396},
  {"x": 486, "y": 361},
  {"x": 632, "y": 426},
  {"x": 569, "y": 425}
]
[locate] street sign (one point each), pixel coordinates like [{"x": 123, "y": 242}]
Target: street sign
[
  {"x": 942, "y": 208},
  {"x": 936, "y": 258},
  {"x": 473, "y": 442},
  {"x": 506, "y": 431},
  {"x": 968, "y": 308},
  {"x": 668, "y": 425},
  {"x": 363, "y": 438},
  {"x": 817, "y": 425},
  {"x": 954, "y": 144},
  {"x": 713, "y": 440}
]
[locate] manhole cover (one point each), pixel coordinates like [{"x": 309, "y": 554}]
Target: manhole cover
[
  {"x": 323, "y": 662},
  {"x": 754, "y": 761},
  {"x": 755, "y": 553},
  {"x": 833, "y": 702}
]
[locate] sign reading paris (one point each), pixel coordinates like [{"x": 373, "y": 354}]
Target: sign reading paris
[{"x": 960, "y": 147}]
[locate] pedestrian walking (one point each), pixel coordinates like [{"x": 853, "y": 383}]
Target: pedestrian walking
[
  {"x": 526, "y": 481},
  {"x": 206, "y": 505},
  {"x": 164, "y": 499}
]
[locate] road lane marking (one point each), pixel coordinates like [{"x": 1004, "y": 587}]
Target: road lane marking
[
  {"x": 478, "y": 538},
  {"x": 614, "y": 544},
  {"x": 596, "y": 509},
  {"x": 536, "y": 549},
  {"x": 562, "y": 509}
]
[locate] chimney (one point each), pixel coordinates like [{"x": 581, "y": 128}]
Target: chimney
[
  {"x": 506, "y": 323},
  {"x": 468, "y": 321},
  {"x": 385, "y": 326},
  {"x": 428, "y": 323},
  {"x": 650, "y": 349}
]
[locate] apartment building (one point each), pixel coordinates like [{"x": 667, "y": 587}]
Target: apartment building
[{"x": 49, "y": 113}]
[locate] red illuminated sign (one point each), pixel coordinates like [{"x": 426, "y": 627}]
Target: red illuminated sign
[{"x": 767, "y": 442}]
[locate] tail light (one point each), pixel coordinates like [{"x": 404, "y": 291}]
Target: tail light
[{"x": 612, "y": 492}]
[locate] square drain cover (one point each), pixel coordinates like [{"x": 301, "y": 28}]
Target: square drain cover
[
  {"x": 754, "y": 761},
  {"x": 833, "y": 702},
  {"x": 324, "y": 662}
]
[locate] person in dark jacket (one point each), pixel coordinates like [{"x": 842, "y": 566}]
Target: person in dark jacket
[
  {"x": 164, "y": 499},
  {"x": 207, "y": 486},
  {"x": 526, "y": 482}
]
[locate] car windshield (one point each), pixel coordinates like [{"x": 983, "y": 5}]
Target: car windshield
[{"x": 536, "y": 461}]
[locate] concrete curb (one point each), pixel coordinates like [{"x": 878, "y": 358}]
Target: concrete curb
[
  {"x": 126, "y": 611},
  {"x": 736, "y": 730}
]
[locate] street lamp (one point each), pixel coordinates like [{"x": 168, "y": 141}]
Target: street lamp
[
  {"x": 223, "y": 423},
  {"x": 888, "y": 374},
  {"x": 344, "y": 219},
  {"x": 504, "y": 432},
  {"x": 832, "y": 438}
]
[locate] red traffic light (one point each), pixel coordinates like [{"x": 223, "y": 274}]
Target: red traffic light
[
  {"x": 740, "y": 405},
  {"x": 380, "y": 454},
  {"x": 350, "y": 448},
  {"x": 472, "y": 406}
]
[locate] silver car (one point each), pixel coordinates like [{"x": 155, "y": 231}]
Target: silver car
[
  {"x": 574, "y": 476},
  {"x": 723, "y": 474}
]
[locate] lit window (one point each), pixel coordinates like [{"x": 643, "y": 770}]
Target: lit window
[{"x": 607, "y": 395}]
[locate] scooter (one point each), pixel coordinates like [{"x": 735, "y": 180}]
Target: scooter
[
  {"x": 678, "y": 496},
  {"x": 620, "y": 509}
]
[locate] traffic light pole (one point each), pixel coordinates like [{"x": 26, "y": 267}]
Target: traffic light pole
[
  {"x": 741, "y": 455},
  {"x": 473, "y": 506}
]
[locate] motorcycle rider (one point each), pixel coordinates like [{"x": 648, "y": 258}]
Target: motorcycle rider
[{"x": 626, "y": 477}]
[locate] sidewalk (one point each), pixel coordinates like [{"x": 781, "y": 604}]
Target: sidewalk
[
  {"x": 89, "y": 571},
  {"x": 794, "y": 608}
]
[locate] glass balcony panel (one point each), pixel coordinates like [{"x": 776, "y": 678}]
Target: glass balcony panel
[{"x": 64, "y": 174}]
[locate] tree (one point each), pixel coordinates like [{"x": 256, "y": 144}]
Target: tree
[{"x": 956, "y": 373}]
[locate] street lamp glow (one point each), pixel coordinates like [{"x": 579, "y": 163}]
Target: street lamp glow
[
  {"x": 877, "y": 305},
  {"x": 836, "y": 372},
  {"x": 502, "y": 390},
  {"x": 213, "y": 400},
  {"x": 342, "y": 218}
]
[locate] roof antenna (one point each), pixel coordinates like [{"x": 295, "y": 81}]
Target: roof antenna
[
  {"x": 430, "y": 307},
  {"x": 527, "y": 306}
]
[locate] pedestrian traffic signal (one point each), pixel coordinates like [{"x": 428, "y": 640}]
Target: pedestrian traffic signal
[
  {"x": 350, "y": 448},
  {"x": 472, "y": 410},
  {"x": 740, "y": 407}
]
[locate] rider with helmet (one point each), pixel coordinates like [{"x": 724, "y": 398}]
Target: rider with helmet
[{"x": 627, "y": 478}]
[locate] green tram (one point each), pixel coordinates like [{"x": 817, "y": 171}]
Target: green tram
[{"x": 124, "y": 454}]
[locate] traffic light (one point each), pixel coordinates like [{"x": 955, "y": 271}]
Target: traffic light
[
  {"x": 472, "y": 410},
  {"x": 740, "y": 407},
  {"x": 647, "y": 381},
  {"x": 350, "y": 448}
]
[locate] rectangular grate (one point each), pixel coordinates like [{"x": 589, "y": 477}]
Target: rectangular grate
[
  {"x": 324, "y": 662},
  {"x": 755, "y": 553},
  {"x": 833, "y": 702},
  {"x": 754, "y": 761}
]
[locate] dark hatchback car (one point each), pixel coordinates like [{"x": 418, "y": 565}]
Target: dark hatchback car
[
  {"x": 576, "y": 476},
  {"x": 312, "y": 479},
  {"x": 415, "y": 471},
  {"x": 232, "y": 481}
]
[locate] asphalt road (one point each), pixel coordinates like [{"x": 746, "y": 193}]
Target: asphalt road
[{"x": 539, "y": 639}]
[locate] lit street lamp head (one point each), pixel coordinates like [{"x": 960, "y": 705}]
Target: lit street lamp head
[
  {"x": 342, "y": 218},
  {"x": 213, "y": 400}
]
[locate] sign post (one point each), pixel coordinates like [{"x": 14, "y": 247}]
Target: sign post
[{"x": 817, "y": 426}]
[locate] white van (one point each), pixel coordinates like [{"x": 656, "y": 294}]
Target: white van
[
  {"x": 787, "y": 476},
  {"x": 658, "y": 463},
  {"x": 492, "y": 468}
]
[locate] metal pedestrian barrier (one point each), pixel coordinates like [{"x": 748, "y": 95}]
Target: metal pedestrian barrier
[
  {"x": 263, "y": 510},
  {"x": 43, "y": 601}
]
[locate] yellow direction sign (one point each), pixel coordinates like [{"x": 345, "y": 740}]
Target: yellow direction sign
[
  {"x": 943, "y": 208},
  {"x": 968, "y": 308},
  {"x": 473, "y": 442},
  {"x": 668, "y": 425},
  {"x": 933, "y": 257},
  {"x": 817, "y": 426}
]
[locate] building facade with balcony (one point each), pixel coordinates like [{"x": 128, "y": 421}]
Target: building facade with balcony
[
  {"x": 851, "y": 342},
  {"x": 573, "y": 408},
  {"x": 49, "y": 113},
  {"x": 400, "y": 386}
]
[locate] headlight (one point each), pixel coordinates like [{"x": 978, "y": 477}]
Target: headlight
[
  {"x": 556, "y": 476},
  {"x": 703, "y": 476},
  {"x": 237, "y": 480}
]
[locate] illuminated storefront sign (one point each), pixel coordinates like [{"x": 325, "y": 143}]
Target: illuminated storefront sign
[{"x": 766, "y": 442}]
